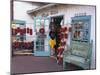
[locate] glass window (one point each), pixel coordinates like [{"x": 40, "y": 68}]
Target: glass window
[
  {"x": 40, "y": 44},
  {"x": 80, "y": 28}
]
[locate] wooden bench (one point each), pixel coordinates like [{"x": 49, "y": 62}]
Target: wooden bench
[{"x": 79, "y": 54}]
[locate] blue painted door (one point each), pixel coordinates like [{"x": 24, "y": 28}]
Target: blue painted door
[{"x": 41, "y": 44}]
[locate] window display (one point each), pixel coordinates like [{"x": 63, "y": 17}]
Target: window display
[{"x": 80, "y": 27}]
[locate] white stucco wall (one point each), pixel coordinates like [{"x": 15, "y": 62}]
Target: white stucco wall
[
  {"x": 20, "y": 13},
  {"x": 20, "y": 9}
]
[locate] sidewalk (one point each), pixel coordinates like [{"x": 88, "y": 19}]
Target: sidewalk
[{"x": 32, "y": 64}]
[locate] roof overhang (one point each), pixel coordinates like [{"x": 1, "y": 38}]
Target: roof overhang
[{"x": 40, "y": 8}]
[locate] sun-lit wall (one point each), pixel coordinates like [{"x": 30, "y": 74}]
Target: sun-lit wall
[{"x": 20, "y": 13}]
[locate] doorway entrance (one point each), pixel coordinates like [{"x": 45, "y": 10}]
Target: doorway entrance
[{"x": 58, "y": 22}]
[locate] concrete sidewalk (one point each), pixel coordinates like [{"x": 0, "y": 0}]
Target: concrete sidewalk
[{"x": 32, "y": 64}]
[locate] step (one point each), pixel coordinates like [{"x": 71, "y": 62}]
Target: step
[{"x": 23, "y": 53}]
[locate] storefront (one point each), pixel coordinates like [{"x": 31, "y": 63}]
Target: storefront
[
  {"x": 69, "y": 16},
  {"x": 71, "y": 22}
]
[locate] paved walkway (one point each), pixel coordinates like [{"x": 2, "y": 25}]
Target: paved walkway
[{"x": 32, "y": 64}]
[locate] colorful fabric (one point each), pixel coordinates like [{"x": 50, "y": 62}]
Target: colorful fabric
[{"x": 52, "y": 43}]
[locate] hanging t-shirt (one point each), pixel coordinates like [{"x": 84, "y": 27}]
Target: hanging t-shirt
[{"x": 52, "y": 43}]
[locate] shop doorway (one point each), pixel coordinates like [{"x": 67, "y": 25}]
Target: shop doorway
[{"x": 58, "y": 22}]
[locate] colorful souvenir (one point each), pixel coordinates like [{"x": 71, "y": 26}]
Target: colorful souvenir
[{"x": 52, "y": 43}]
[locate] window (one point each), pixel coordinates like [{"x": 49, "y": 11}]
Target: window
[
  {"x": 40, "y": 44},
  {"x": 18, "y": 24}
]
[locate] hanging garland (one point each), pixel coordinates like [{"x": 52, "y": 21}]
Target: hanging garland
[{"x": 22, "y": 31}]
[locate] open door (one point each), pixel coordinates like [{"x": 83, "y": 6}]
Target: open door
[{"x": 41, "y": 42}]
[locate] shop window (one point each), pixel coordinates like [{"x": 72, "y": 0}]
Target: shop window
[{"x": 16, "y": 25}]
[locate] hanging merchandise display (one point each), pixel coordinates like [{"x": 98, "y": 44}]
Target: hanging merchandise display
[
  {"x": 66, "y": 35},
  {"x": 27, "y": 30},
  {"x": 15, "y": 31},
  {"x": 52, "y": 43},
  {"x": 62, "y": 29},
  {"x": 63, "y": 35},
  {"x": 24, "y": 30},
  {"x": 19, "y": 37},
  {"x": 60, "y": 54},
  {"x": 63, "y": 43},
  {"x": 18, "y": 29},
  {"x": 52, "y": 34},
  {"x": 30, "y": 31},
  {"x": 65, "y": 29},
  {"x": 60, "y": 36}
]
